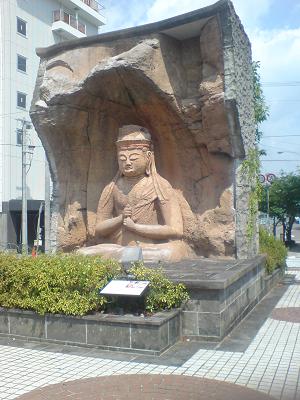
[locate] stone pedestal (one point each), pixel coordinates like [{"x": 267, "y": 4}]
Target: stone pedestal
[{"x": 222, "y": 293}]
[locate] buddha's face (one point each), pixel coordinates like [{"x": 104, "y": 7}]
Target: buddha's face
[{"x": 133, "y": 162}]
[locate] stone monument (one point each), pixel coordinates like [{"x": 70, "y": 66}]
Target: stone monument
[
  {"x": 179, "y": 90},
  {"x": 145, "y": 130}
]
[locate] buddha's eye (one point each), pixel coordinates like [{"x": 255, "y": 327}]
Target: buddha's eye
[
  {"x": 134, "y": 157},
  {"x": 122, "y": 158}
]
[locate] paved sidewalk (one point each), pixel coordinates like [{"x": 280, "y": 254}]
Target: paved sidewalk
[{"x": 270, "y": 364}]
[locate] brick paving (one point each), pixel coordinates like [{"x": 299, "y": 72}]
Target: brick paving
[
  {"x": 270, "y": 365},
  {"x": 289, "y": 314},
  {"x": 145, "y": 387}
]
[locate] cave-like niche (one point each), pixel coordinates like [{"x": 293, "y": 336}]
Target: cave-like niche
[{"x": 173, "y": 86}]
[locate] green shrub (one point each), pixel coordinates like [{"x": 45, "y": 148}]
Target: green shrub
[
  {"x": 163, "y": 294},
  {"x": 69, "y": 284},
  {"x": 274, "y": 249},
  {"x": 65, "y": 284}
]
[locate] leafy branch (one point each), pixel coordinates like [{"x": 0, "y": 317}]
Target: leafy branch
[{"x": 261, "y": 110}]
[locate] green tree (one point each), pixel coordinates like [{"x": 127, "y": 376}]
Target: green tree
[
  {"x": 261, "y": 110},
  {"x": 284, "y": 201}
]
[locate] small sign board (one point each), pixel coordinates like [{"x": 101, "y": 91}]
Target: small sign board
[
  {"x": 271, "y": 177},
  {"x": 261, "y": 178},
  {"x": 125, "y": 288}
]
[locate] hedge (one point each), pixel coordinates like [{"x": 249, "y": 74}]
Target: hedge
[
  {"x": 274, "y": 249},
  {"x": 69, "y": 284}
]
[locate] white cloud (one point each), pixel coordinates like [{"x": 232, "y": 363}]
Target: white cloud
[
  {"x": 279, "y": 53},
  {"x": 126, "y": 13},
  {"x": 249, "y": 11},
  {"x": 162, "y": 9}
]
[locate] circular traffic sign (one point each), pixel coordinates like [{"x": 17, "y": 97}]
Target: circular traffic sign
[
  {"x": 271, "y": 177},
  {"x": 261, "y": 178}
]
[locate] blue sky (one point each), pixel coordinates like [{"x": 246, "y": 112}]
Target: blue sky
[{"x": 273, "y": 27}]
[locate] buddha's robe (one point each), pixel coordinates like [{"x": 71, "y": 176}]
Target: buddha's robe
[{"x": 145, "y": 204}]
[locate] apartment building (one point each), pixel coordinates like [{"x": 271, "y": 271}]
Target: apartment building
[{"x": 24, "y": 26}]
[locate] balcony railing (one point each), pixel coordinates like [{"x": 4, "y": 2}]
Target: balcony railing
[
  {"x": 61, "y": 15},
  {"x": 94, "y": 4}
]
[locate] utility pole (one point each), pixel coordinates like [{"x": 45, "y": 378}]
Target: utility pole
[
  {"x": 47, "y": 208},
  {"x": 25, "y": 125},
  {"x": 38, "y": 228},
  {"x": 268, "y": 204}
]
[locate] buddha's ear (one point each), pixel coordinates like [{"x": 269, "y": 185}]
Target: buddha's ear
[{"x": 149, "y": 161}]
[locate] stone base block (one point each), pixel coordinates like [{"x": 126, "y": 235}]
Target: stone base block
[
  {"x": 222, "y": 293},
  {"x": 149, "y": 335}
]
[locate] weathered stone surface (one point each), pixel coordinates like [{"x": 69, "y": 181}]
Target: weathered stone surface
[
  {"x": 188, "y": 81},
  {"x": 27, "y": 325},
  {"x": 66, "y": 329},
  {"x": 106, "y": 334},
  {"x": 4, "y": 327}
]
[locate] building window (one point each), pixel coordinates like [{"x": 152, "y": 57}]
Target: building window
[
  {"x": 81, "y": 27},
  {"x": 19, "y": 136},
  {"x": 21, "y": 26},
  {"x": 21, "y": 100},
  {"x": 21, "y": 63}
]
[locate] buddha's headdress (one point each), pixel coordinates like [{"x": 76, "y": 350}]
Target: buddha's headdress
[{"x": 134, "y": 136}]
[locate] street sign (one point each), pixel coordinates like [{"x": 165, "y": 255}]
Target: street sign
[
  {"x": 261, "y": 178},
  {"x": 125, "y": 288},
  {"x": 271, "y": 177}
]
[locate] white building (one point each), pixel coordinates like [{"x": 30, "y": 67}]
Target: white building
[{"x": 24, "y": 26}]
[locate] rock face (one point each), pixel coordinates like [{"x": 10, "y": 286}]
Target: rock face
[{"x": 188, "y": 80}]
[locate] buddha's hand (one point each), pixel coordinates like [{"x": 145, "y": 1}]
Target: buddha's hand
[
  {"x": 130, "y": 225},
  {"x": 127, "y": 212}
]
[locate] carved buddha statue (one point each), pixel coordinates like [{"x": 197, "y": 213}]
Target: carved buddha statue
[{"x": 138, "y": 205}]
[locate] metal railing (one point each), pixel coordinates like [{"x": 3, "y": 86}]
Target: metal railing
[
  {"x": 14, "y": 248},
  {"x": 11, "y": 248},
  {"x": 95, "y": 5},
  {"x": 61, "y": 15}
]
